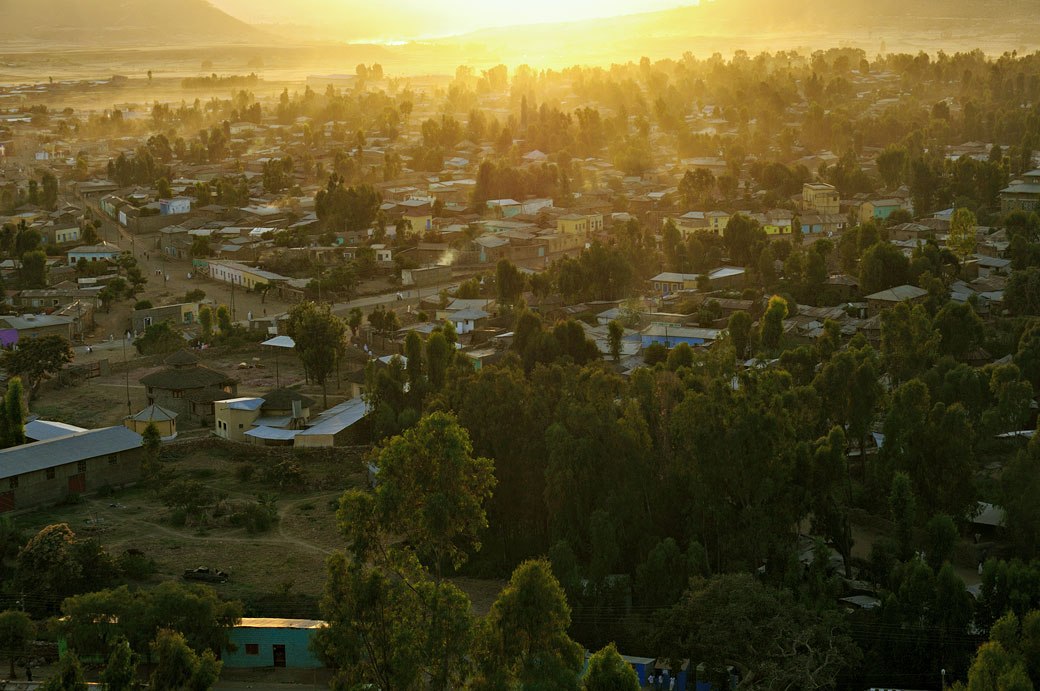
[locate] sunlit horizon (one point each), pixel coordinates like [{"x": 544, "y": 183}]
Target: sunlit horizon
[{"x": 417, "y": 20}]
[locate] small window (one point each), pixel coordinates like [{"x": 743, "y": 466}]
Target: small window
[
  {"x": 81, "y": 467},
  {"x": 50, "y": 473},
  {"x": 252, "y": 648},
  {"x": 13, "y": 483},
  {"x": 113, "y": 458},
  {"x": 240, "y": 425}
]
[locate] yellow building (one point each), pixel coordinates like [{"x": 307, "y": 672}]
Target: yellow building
[
  {"x": 420, "y": 222},
  {"x": 579, "y": 224},
  {"x": 717, "y": 221},
  {"x": 235, "y": 417},
  {"x": 165, "y": 420},
  {"x": 820, "y": 197}
]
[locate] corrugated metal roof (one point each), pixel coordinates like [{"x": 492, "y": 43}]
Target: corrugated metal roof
[
  {"x": 273, "y": 421},
  {"x": 244, "y": 403},
  {"x": 155, "y": 413},
  {"x": 275, "y": 623},
  {"x": 264, "y": 432},
  {"x": 68, "y": 449},
  {"x": 338, "y": 418},
  {"x": 280, "y": 342},
  {"x": 41, "y": 430}
]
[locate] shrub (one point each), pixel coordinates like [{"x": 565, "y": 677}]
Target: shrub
[
  {"x": 71, "y": 499},
  {"x": 256, "y": 518},
  {"x": 136, "y": 565},
  {"x": 244, "y": 472},
  {"x": 286, "y": 473}
]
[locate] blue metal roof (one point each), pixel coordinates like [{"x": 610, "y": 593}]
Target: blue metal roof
[
  {"x": 263, "y": 432},
  {"x": 77, "y": 446}
]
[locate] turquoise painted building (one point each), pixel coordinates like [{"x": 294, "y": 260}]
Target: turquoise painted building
[{"x": 265, "y": 642}]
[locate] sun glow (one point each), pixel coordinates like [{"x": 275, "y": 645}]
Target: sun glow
[{"x": 420, "y": 18}]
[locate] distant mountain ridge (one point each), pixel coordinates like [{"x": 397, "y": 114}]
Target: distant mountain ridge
[
  {"x": 995, "y": 26},
  {"x": 119, "y": 22},
  {"x": 745, "y": 17}
]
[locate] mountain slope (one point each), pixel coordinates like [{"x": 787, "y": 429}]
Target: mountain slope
[
  {"x": 725, "y": 25},
  {"x": 119, "y": 22}
]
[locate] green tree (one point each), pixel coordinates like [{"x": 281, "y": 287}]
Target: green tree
[
  {"x": 69, "y": 676},
  {"x": 319, "y": 337},
  {"x": 413, "y": 353},
  {"x": 224, "y": 322},
  {"x": 882, "y": 266},
  {"x": 194, "y": 611},
  {"x": 36, "y": 359},
  {"x": 1007, "y": 662},
  {"x": 903, "y": 506},
  {"x": 933, "y": 444},
  {"x": 34, "y": 269},
  {"x": 962, "y": 238},
  {"x": 355, "y": 319},
  {"x": 960, "y": 328},
  {"x": 773, "y": 322},
  {"x": 17, "y": 632},
  {"x": 49, "y": 191},
  {"x": 120, "y": 673},
  {"x": 661, "y": 579},
  {"x": 815, "y": 270},
  {"x": 161, "y": 337},
  {"x": 523, "y": 641},
  {"x": 679, "y": 356},
  {"x": 14, "y": 413},
  {"x": 1022, "y": 295},
  {"x": 509, "y": 282},
  {"x": 741, "y": 235},
  {"x": 179, "y": 667},
  {"x": 909, "y": 341},
  {"x": 206, "y": 322},
  {"x": 90, "y": 235},
  {"x": 47, "y": 565},
  {"x": 437, "y": 488},
  {"x": 892, "y": 164},
  {"x": 774, "y": 641},
  {"x": 343, "y": 209},
  {"x": 163, "y": 189},
  {"x": 200, "y": 247},
  {"x": 739, "y": 329},
  {"x": 1019, "y": 483},
  {"x": 151, "y": 442},
  {"x": 389, "y": 622},
  {"x": 608, "y": 671},
  {"x": 438, "y": 357},
  {"x": 940, "y": 535},
  {"x": 615, "y": 332},
  {"x": 696, "y": 185}
]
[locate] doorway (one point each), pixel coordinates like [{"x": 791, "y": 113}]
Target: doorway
[{"x": 279, "y": 655}]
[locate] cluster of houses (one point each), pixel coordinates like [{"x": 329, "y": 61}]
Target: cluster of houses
[
  {"x": 274, "y": 643},
  {"x": 59, "y": 459}
]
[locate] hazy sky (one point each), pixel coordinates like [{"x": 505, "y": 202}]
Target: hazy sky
[{"x": 385, "y": 19}]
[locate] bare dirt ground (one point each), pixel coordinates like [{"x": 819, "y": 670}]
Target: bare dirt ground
[
  {"x": 102, "y": 401},
  {"x": 290, "y": 557}
]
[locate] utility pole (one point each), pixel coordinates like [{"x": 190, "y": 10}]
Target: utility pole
[{"x": 126, "y": 367}]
